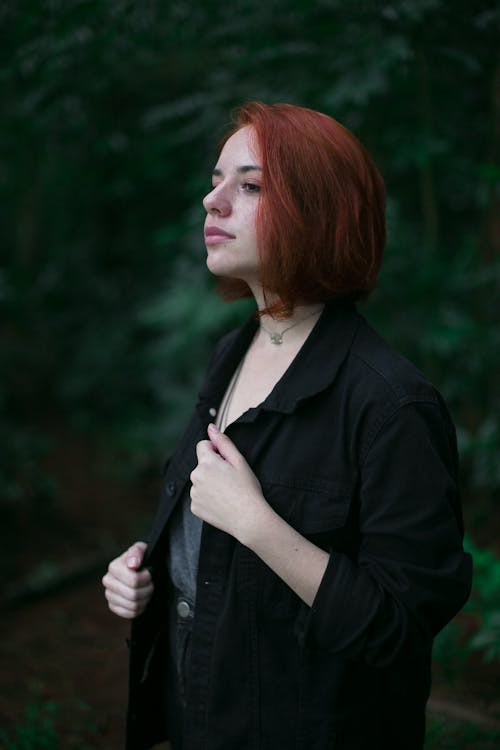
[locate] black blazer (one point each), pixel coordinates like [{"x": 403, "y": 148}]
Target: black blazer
[{"x": 356, "y": 450}]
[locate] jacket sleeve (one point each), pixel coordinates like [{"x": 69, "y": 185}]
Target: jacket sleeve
[{"x": 411, "y": 575}]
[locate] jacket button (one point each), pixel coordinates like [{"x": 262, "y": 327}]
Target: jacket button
[
  {"x": 212, "y": 411},
  {"x": 171, "y": 488},
  {"x": 184, "y": 610}
]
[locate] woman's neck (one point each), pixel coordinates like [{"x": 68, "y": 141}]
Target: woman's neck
[{"x": 290, "y": 331}]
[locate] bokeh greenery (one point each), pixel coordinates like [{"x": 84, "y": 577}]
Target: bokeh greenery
[
  {"x": 111, "y": 112},
  {"x": 38, "y": 731}
]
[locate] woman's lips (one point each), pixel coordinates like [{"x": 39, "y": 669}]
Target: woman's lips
[{"x": 213, "y": 235}]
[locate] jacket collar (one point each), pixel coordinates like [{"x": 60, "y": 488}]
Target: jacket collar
[{"x": 314, "y": 368}]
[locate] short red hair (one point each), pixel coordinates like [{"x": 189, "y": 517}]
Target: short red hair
[{"x": 321, "y": 215}]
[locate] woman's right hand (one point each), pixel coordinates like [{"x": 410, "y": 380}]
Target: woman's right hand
[{"x": 128, "y": 589}]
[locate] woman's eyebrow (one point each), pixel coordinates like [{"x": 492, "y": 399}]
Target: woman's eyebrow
[{"x": 240, "y": 170}]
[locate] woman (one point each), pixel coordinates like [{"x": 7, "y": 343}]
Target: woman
[{"x": 308, "y": 541}]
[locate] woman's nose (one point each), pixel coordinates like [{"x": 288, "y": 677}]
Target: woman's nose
[{"x": 217, "y": 202}]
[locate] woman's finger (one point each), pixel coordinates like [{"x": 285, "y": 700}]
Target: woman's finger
[{"x": 132, "y": 593}]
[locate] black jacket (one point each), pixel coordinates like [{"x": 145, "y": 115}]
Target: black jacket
[{"x": 356, "y": 450}]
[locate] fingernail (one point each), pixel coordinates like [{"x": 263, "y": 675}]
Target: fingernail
[
  {"x": 212, "y": 427},
  {"x": 133, "y": 562}
]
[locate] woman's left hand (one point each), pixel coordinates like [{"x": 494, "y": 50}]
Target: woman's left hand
[{"x": 225, "y": 492}]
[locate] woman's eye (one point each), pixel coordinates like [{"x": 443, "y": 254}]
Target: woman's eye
[{"x": 251, "y": 187}]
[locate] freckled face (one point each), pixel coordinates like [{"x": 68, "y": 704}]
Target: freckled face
[{"x": 231, "y": 206}]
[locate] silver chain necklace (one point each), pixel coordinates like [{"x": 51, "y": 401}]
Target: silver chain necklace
[
  {"x": 228, "y": 397},
  {"x": 277, "y": 338}
]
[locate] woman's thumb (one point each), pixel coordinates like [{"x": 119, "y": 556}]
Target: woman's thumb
[
  {"x": 135, "y": 555},
  {"x": 224, "y": 445}
]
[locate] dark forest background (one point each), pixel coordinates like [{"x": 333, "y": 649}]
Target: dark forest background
[{"x": 110, "y": 117}]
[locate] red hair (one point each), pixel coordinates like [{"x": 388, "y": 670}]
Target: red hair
[{"x": 321, "y": 215}]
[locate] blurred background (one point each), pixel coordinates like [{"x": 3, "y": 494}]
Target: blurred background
[{"x": 110, "y": 116}]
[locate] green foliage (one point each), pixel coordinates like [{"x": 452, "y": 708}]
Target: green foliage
[
  {"x": 453, "y": 735},
  {"x": 41, "y": 727},
  {"x": 485, "y": 603},
  {"x": 22, "y": 479},
  {"x": 37, "y": 732},
  {"x": 477, "y": 628}
]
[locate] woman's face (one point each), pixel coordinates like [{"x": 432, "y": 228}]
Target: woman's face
[{"x": 231, "y": 206}]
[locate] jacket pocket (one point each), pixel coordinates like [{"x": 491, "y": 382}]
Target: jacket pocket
[
  {"x": 324, "y": 509},
  {"x": 310, "y": 504},
  {"x": 319, "y": 511}
]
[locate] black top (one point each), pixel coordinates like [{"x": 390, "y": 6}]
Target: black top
[{"x": 355, "y": 449}]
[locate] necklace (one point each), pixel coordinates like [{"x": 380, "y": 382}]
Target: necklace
[
  {"x": 277, "y": 337},
  {"x": 222, "y": 418}
]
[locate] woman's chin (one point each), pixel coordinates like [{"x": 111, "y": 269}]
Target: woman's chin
[{"x": 216, "y": 267}]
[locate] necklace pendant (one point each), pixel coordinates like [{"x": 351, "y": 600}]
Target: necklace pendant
[{"x": 277, "y": 338}]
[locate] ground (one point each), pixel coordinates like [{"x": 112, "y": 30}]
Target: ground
[{"x": 61, "y": 645}]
